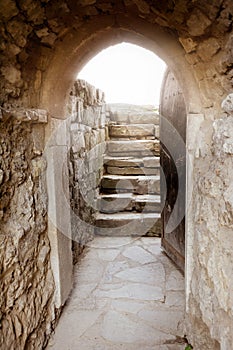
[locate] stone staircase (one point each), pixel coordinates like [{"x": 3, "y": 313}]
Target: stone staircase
[{"x": 129, "y": 199}]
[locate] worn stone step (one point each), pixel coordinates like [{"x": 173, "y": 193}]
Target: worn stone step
[
  {"x": 134, "y": 131},
  {"x": 138, "y": 147},
  {"x": 132, "y": 114},
  {"x": 134, "y": 184},
  {"x": 130, "y": 161},
  {"x": 113, "y": 203},
  {"x": 132, "y": 170},
  {"x": 128, "y": 224},
  {"x": 146, "y": 118}
]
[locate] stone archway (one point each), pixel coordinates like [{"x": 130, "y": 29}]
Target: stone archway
[
  {"x": 74, "y": 52},
  {"x": 45, "y": 41},
  {"x": 55, "y": 90}
]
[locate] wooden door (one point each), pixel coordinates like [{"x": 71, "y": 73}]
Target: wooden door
[{"x": 173, "y": 168}]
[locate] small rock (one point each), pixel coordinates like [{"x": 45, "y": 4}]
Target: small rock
[
  {"x": 188, "y": 44},
  {"x": 227, "y": 104},
  {"x": 198, "y": 23},
  {"x": 8, "y": 9},
  {"x": 11, "y": 74},
  {"x": 208, "y": 48}
]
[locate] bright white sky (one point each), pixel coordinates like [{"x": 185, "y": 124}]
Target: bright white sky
[{"x": 126, "y": 73}]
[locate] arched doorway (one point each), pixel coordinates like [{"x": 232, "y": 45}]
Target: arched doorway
[
  {"x": 68, "y": 37},
  {"x": 63, "y": 69}
]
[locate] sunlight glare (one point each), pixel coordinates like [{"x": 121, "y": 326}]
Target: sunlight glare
[{"x": 126, "y": 73}]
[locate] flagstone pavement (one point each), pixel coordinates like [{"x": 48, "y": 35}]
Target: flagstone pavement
[{"x": 127, "y": 295}]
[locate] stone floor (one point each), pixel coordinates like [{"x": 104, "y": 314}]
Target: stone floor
[{"x": 127, "y": 295}]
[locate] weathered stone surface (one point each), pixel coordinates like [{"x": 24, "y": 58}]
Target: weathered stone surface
[
  {"x": 120, "y": 292},
  {"x": 148, "y": 203},
  {"x": 26, "y": 115},
  {"x": 87, "y": 138},
  {"x": 121, "y": 224},
  {"x": 227, "y": 104},
  {"x": 27, "y": 285},
  {"x": 115, "y": 202},
  {"x": 132, "y": 171},
  {"x": 197, "y": 23},
  {"x": 128, "y": 202},
  {"x": 142, "y": 147},
  {"x": 208, "y": 48},
  {"x": 130, "y": 161},
  {"x": 133, "y": 114},
  {"x": 189, "y": 44},
  {"x": 137, "y": 130},
  {"x": 135, "y": 184}
]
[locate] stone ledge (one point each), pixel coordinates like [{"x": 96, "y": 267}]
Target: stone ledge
[{"x": 23, "y": 115}]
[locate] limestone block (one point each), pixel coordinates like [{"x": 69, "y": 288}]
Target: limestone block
[
  {"x": 139, "y": 146},
  {"x": 78, "y": 141},
  {"x": 59, "y": 229},
  {"x": 189, "y": 44},
  {"x": 57, "y": 132},
  {"x": 120, "y": 224},
  {"x": 136, "y": 184},
  {"x": 132, "y": 170},
  {"x": 208, "y": 48},
  {"x": 38, "y": 136},
  {"x": 137, "y": 130}
]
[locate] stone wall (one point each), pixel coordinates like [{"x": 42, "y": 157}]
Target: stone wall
[
  {"x": 87, "y": 145},
  {"x": 209, "y": 304},
  {"x": 27, "y": 285}
]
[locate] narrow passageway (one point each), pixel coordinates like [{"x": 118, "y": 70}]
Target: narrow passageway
[{"x": 127, "y": 295}]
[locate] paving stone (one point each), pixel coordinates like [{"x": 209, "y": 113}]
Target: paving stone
[
  {"x": 113, "y": 312},
  {"x": 111, "y": 242},
  {"x": 155, "y": 249},
  {"x": 175, "y": 281},
  {"x": 118, "y": 327},
  {"x": 127, "y": 306},
  {"x": 108, "y": 254},
  {"x": 115, "y": 267},
  {"x": 75, "y": 324},
  {"x": 144, "y": 274},
  {"x": 91, "y": 271},
  {"x": 175, "y": 299},
  {"x": 132, "y": 291},
  {"x": 164, "y": 320},
  {"x": 139, "y": 255}
]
